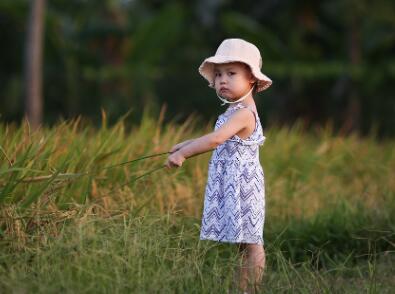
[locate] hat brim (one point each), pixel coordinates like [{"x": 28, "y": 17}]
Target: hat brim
[{"x": 206, "y": 69}]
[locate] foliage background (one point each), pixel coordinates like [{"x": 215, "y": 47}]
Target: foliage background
[{"x": 329, "y": 60}]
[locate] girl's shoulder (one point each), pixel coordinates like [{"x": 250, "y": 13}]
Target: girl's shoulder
[
  {"x": 238, "y": 106},
  {"x": 257, "y": 136}
]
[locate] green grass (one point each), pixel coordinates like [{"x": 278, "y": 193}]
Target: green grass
[
  {"x": 330, "y": 212},
  {"x": 162, "y": 254}
]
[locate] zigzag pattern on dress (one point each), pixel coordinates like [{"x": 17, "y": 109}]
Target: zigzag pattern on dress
[{"x": 234, "y": 203}]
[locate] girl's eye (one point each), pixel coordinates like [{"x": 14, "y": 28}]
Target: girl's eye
[
  {"x": 217, "y": 74},
  {"x": 231, "y": 73}
]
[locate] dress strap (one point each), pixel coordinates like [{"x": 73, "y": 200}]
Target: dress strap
[
  {"x": 256, "y": 137},
  {"x": 250, "y": 108},
  {"x": 255, "y": 116},
  {"x": 240, "y": 106}
]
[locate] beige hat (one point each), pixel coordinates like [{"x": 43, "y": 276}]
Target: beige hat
[{"x": 236, "y": 50}]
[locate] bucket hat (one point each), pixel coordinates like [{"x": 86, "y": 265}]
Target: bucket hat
[{"x": 236, "y": 50}]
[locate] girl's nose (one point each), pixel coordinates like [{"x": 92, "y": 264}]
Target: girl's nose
[{"x": 222, "y": 80}]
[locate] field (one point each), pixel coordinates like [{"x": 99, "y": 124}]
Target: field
[{"x": 75, "y": 220}]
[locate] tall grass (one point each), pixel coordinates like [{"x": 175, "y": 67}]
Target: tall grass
[
  {"x": 70, "y": 223},
  {"x": 162, "y": 254}
]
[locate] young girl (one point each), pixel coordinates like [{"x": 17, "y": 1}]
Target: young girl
[{"x": 234, "y": 204}]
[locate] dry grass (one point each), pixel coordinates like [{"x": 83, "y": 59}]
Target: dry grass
[{"x": 327, "y": 197}]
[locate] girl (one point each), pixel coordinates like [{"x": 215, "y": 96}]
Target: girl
[{"x": 234, "y": 204}]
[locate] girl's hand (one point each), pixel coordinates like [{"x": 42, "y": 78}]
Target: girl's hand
[{"x": 175, "y": 160}]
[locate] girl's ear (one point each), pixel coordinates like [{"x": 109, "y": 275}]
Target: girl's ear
[{"x": 252, "y": 79}]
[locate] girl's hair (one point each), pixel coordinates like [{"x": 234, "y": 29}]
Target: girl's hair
[
  {"x": 255, "y": 86},
  {"x": 254, "y": 91}
]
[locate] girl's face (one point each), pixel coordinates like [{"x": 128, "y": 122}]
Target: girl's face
[{"x": 232, "y": 80}]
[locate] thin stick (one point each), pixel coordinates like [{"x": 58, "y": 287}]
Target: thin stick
[
  {"x": 141, "y": 176},
  {"x": 134, "y": 160},
  {"x": 74, "y": 175},
  {"x": 148, "y": 173}
]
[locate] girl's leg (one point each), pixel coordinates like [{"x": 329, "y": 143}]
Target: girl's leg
[
  {"x": 239, "y": 277},
  {"x": 257, "y": 260},
  {"x": 252, "y": 266}
]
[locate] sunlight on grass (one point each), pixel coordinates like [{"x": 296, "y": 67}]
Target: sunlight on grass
[{"x": 73, "y": 216}]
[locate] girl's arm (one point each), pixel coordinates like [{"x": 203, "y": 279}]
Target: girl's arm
[
  {"x": 237, "y": 122},
  {"x": 180, "y": 145}
]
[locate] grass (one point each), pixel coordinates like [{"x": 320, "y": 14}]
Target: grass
[
  {"x": 162, "y": 254},
  {"x": 329, "y": 211}
]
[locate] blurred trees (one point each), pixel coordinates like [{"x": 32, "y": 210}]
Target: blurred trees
[
  {"x": 329, "y": 60},
  {"x": 33, "y": 63}
]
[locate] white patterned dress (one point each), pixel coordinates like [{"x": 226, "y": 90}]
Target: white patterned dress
[{"x": 234, "y": 203}]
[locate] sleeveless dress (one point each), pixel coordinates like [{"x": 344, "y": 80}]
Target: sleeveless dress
[{"x": 234, "y": 202}]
